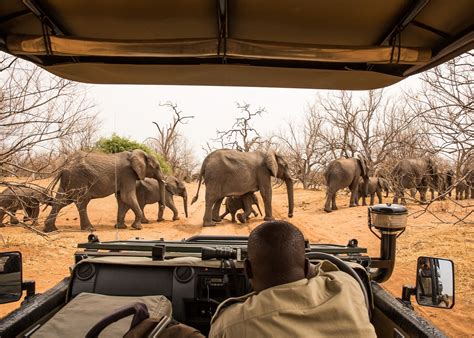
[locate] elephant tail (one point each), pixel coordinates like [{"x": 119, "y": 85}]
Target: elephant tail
[
  {"x": 199, "y": 187},
  {"x": 55, "y": 181}
]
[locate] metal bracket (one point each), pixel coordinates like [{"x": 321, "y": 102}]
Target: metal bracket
[{"x": 223, "y": 28}]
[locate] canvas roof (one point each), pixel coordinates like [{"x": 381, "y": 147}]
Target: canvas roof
[{"x": 337, "y": 44}]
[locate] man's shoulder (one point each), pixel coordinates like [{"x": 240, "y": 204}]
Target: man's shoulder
[{"x": 230, "y": 305}]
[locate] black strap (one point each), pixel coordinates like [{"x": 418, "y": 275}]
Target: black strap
[{"x": 139, "y": 310}]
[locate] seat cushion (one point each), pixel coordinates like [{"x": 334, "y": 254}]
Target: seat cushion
[{"x": 78, "y": 316}]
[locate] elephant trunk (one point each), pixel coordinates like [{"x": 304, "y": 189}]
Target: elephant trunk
[
  {"x": 185, "y": 203},
  {"x": 162, "y": 190},
  {"x": 289, "y": 189}
]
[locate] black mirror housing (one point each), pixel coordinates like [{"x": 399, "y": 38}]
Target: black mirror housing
[
  {"x": 435, "y": 282},
  {"x": 11, "y": 277}
]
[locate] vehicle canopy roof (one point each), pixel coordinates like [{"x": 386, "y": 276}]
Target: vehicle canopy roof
[{"x": 338, "y": 44}]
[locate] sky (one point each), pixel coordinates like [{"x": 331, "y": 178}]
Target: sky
[{"x": 128, "y": 110}]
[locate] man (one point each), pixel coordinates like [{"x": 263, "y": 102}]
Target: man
[{"x": 285, "y": 303}]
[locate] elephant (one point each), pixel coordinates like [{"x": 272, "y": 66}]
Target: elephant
[
  {"x": 374, "y": 187},
  {"x": 385, "y": 184},
  {"x": 28, "y": 198},
  {"x": 419, "y": 174},
  {"x": 445, "y": 183},
  {"x": 96, "y": 175},
  {"x": 245, "y": 202},
  {"x": 229, "y": 172},
  {"x": 148, "y": 193},
  {"x": 469, "y": 174},
  {"x": 462, "y": 189},
  {"x": 341, "y": 173}
]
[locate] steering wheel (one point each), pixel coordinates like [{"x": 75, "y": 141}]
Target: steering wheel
[{"x": 343, "y": 266}]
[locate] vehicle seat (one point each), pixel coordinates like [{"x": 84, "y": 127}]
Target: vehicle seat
[{"x": 78, "y": 316}]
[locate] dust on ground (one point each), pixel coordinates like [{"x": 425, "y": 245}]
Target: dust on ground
[{"x": 47, "y": 260}]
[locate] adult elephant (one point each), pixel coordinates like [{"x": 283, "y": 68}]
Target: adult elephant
[
  {"x": 97, "y": 175},
  {"x": 148, "y": 192},
  {"x": 419, "y": 174},
  {"x": 230, "y": 172},
  {"x": 342, "y": 173}
]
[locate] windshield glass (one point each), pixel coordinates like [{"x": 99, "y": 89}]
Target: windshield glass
[{"x": 79, "y": 158}]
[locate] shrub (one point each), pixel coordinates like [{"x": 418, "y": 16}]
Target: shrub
[{"x": 116, "y": 144}]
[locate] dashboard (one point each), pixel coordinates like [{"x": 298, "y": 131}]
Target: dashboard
[{"x": 195, "y": 292}]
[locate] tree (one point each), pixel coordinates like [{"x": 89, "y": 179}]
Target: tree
[
  {"x": 39, "y": 114},
  {"x": 445, "y": 103},
  {"x": 116, "y": 144},
  {"x": 304, "y": 147},
  {"x": 172, "y": 145},
  {"x": 379, "y": 127},
  {"x": 242, "y": 135}
]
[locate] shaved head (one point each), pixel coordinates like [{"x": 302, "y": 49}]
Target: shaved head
[{"x": 276, "y": 255}]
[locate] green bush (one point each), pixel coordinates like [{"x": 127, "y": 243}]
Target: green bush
[{"x": 116, "y": 144}]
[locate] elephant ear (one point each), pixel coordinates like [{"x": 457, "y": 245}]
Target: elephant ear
[
  {"x": 271, "y": 163},
  {"x": 138, "y": 161},
  {"x": 363, "y": 166}
]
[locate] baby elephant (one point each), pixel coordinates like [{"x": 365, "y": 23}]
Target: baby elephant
[
  {"x": 375, "y": 187},
  {"x": 245, "y": 202},
  {"x": 148, "y": 193},
  {"x": 25, "y": 198}
]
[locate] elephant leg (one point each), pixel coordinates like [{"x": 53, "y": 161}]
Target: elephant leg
[
  {"x": 122, "y": 210},
  {"x": 255, "y": 214},
  {"x": 423, "y": 192},
  {"x": 13, "y": 219},
  {"x": 170, "y": 204},
  {"x": 215, "y": 210},
  {"x": 266, "y": 194},
  {"x": 372, "y": 198},
  {"x": 33, "y": 214},
  {"x": 247, "y": 204},
  {"x": 330, "y": 201},
  {"x": 130, "y": 199},
  {"x": 232, "y": 214},
  {"x": 50, "y": 222},
  {"x": 84, "y": 218},
  {"x": 226, "y": 212},
  {"x": 207, "y": 219},
  {"x": 353, "y": 188},
  {"x": 2, "y": 216},
  {"x": 352, "y": 201},
  {"x": 364, "y": 201},
  {"x": 27, "y": 214},
  {"x": 142, "y": 208}
]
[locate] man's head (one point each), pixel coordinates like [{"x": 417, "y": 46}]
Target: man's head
[{"x": 275, "y": 255}]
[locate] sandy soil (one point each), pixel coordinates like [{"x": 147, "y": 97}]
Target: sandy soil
[{"x": 47, "y": 260}]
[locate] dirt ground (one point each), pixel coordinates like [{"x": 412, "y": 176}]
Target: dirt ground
[{"x": 47, "y": 260}]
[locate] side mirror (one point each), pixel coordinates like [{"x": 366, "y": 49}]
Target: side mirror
[
  {"x": 435, "y": 282},
  {"x": 10, "y": 277}
]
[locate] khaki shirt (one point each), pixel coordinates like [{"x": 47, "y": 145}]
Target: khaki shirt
[{"x": 328, "y": 305}]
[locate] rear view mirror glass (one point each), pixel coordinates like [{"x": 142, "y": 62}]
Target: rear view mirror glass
[
  {"x": 10, "y": 277},
  {"x": 435, "y": 282}
]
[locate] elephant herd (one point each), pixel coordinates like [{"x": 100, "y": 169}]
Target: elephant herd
[
  {"x": 136, "y": 179},
  {"x": 416, "y": 175}
]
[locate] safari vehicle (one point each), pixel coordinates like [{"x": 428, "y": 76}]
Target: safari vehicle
[{"x": 299, "y": 44}]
